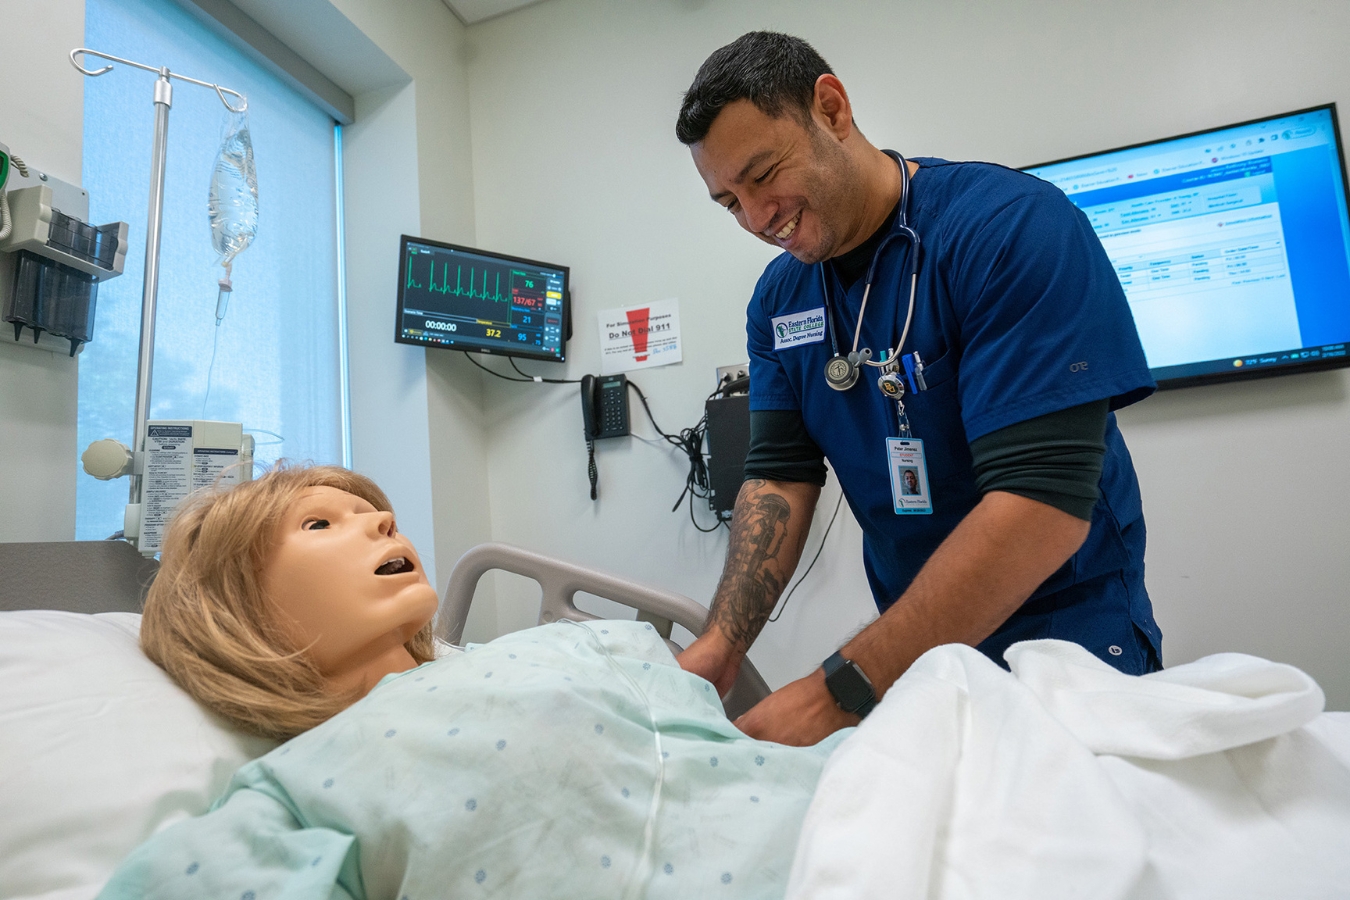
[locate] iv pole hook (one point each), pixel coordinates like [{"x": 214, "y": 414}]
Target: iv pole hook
[{"x": 94, "y": 73}]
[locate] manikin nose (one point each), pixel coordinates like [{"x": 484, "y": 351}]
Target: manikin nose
[{"x": 384, "y": 522}]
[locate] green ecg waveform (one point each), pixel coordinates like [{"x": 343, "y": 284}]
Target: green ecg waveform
[{"x": 459, "y": 289}]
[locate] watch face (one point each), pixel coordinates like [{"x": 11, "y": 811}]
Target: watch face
[{"x": 849, "y": 687}]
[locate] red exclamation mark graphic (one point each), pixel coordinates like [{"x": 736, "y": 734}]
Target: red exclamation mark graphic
[{"x": 637, "y": 326}]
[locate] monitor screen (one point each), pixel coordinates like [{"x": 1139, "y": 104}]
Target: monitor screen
[
  {"x": 465, "y": 299},
  {"x": 1232, "y": 244}
]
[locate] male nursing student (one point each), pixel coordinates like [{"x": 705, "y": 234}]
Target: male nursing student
[{"x": 991, "y": 380}]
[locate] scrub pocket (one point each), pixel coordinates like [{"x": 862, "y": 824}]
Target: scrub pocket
[{"x": 1094, "y": 614}]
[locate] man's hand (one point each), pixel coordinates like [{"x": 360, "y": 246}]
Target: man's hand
[
  {"x": 713, "y": 657},
  {"x": 800, "y": 713}
]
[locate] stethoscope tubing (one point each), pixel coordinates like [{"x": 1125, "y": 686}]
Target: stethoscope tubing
[{"x": 902, "y": 231}]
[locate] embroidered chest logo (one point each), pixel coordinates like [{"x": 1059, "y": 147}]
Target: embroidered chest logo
[{"x": 806, "y": 327}]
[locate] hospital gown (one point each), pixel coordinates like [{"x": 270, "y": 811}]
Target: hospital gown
[{"x": 563, "y": 761}]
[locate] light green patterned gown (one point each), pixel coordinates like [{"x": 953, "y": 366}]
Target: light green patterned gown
[{"x": 569, "y": 761}]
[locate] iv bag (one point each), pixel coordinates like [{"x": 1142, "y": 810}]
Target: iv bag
[{"x": 233, "y": 204}]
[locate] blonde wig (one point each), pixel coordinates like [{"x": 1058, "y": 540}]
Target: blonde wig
[{"x": 208, "y": 623}]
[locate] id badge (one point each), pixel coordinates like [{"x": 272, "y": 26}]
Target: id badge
[{"x": 909, "y": 476}]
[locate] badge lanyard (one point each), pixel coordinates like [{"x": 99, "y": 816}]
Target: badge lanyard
[{"x": 842, "y": 372}]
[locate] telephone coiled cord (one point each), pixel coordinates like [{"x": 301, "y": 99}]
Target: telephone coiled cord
[{"x": 591, "y": 469}]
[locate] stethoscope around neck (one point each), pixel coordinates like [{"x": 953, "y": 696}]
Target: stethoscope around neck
[{"x": 842, "y": 371}]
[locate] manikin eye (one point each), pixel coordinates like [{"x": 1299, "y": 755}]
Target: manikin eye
[{"x": 314, "y": 524}]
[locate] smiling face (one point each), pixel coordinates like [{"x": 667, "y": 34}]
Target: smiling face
[
  {"x": 797, "y": 185},
  {"x": 349, "y": 589}
]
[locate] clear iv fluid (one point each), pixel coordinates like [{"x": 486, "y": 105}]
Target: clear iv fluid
[{"x": 233, "y": 204}]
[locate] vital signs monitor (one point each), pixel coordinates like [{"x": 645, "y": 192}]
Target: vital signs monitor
[{"x": 465, "y": 299}]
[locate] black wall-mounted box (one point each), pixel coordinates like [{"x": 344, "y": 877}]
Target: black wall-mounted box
[{"x": 728, "y": 444}]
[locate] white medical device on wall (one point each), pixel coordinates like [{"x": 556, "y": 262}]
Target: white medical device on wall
[
  {"x": 51, "y": 260},
  {"x": 170, "y": 458}
]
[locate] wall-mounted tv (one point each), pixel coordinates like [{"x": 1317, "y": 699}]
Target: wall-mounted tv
[
  {"x": 1232, "y": 244},
  {"x": 465, "y": 299}
]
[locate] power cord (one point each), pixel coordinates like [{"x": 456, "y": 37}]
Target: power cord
[
  {"x": 823, "y": 538},
  {"x": 539, "y": 379},
  {"x": 690, "y": 442},
  {"x": 469, "y": 357},
  {"x": 525, "y": 376}
]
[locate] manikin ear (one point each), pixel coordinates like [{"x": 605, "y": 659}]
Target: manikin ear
[{"x": 831, "y": 107}]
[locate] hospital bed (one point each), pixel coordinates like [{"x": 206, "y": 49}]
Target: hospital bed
[
  {"x": 1065, "y": 779},
  {"x": 99, "y": 749}
]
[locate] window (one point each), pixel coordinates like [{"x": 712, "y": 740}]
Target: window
[{"x": 273, "y": 363}]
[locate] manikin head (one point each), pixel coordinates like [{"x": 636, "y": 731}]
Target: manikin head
[
  {"x": 281, "y": 601},
  {"x": 772, "y": 134}
]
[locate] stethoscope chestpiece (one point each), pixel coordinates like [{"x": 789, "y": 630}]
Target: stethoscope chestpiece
[{"x": 841, "y": 372}]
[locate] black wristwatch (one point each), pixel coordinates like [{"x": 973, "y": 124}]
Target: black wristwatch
[{"x": 851, "y": 687}]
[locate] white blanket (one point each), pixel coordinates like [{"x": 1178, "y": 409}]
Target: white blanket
[{"x": 1220, "y": 778}]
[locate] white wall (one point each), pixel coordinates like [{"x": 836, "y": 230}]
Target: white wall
[
  {"x": 408, "y": 170},
  {"x": 41, "y": 119},
  {"x": 575, "y": 161}
]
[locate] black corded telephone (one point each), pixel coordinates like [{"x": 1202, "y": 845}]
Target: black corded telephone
[{"x": 604, "y": 406}]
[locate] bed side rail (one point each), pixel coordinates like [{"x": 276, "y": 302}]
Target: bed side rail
[{"x": 560, "y": 582}]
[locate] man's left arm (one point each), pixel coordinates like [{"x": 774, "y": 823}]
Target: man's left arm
[{"x": 1040, "y": 483}]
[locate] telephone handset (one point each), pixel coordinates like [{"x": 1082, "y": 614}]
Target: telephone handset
[{"x": 604, "y": 406}]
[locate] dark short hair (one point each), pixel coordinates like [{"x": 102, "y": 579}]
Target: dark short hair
[{"x": 776, "y": 72}]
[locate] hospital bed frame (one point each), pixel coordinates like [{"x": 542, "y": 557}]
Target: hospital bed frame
[
  {"x": 561, "y": 581},
  {"x": 110, "y": 576}
]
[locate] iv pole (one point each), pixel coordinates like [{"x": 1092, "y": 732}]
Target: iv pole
[{"x": 163, "y": 99}]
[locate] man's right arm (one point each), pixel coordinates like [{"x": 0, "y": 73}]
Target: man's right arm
[{"x": 768, "y": 530}]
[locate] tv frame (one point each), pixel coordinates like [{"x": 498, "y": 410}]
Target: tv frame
[
  {"x": 405, "y": 239},
  {"x": 1320, "y": 364}
]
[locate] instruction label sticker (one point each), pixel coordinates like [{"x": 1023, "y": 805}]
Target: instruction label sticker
[
  {"x": 909, "y": 476},
  {"x": 180, "y": 457}
]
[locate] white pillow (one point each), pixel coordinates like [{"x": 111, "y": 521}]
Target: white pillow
[{"x": 99, "y": 749}]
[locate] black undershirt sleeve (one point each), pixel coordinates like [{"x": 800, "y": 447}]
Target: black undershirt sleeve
[
  {"x": 1055, "y": 459},
  {"x": 781, "y": 450}
]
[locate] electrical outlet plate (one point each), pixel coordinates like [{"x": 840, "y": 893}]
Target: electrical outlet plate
[{"x": 731, "y": 373}]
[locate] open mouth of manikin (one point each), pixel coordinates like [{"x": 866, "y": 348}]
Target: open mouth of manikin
[{"x": 396, "y": 566}]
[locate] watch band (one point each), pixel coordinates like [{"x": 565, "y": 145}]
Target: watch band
[{"x": 849, "y": 685}]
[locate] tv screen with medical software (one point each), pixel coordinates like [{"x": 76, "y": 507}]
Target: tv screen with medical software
[
  {"x": 460, "y": 298},
  {"x": 1232, "y": 245}
]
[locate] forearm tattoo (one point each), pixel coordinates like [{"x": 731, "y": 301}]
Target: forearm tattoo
[{"x": 751, "y": 582}]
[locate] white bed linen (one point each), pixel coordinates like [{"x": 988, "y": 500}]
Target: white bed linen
[
  {"x": 1219, "y": 778},
  {"x": 99, "y": 749}
]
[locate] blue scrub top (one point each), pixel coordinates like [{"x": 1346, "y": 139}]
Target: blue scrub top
[{"x": 1018, "y": 314}]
